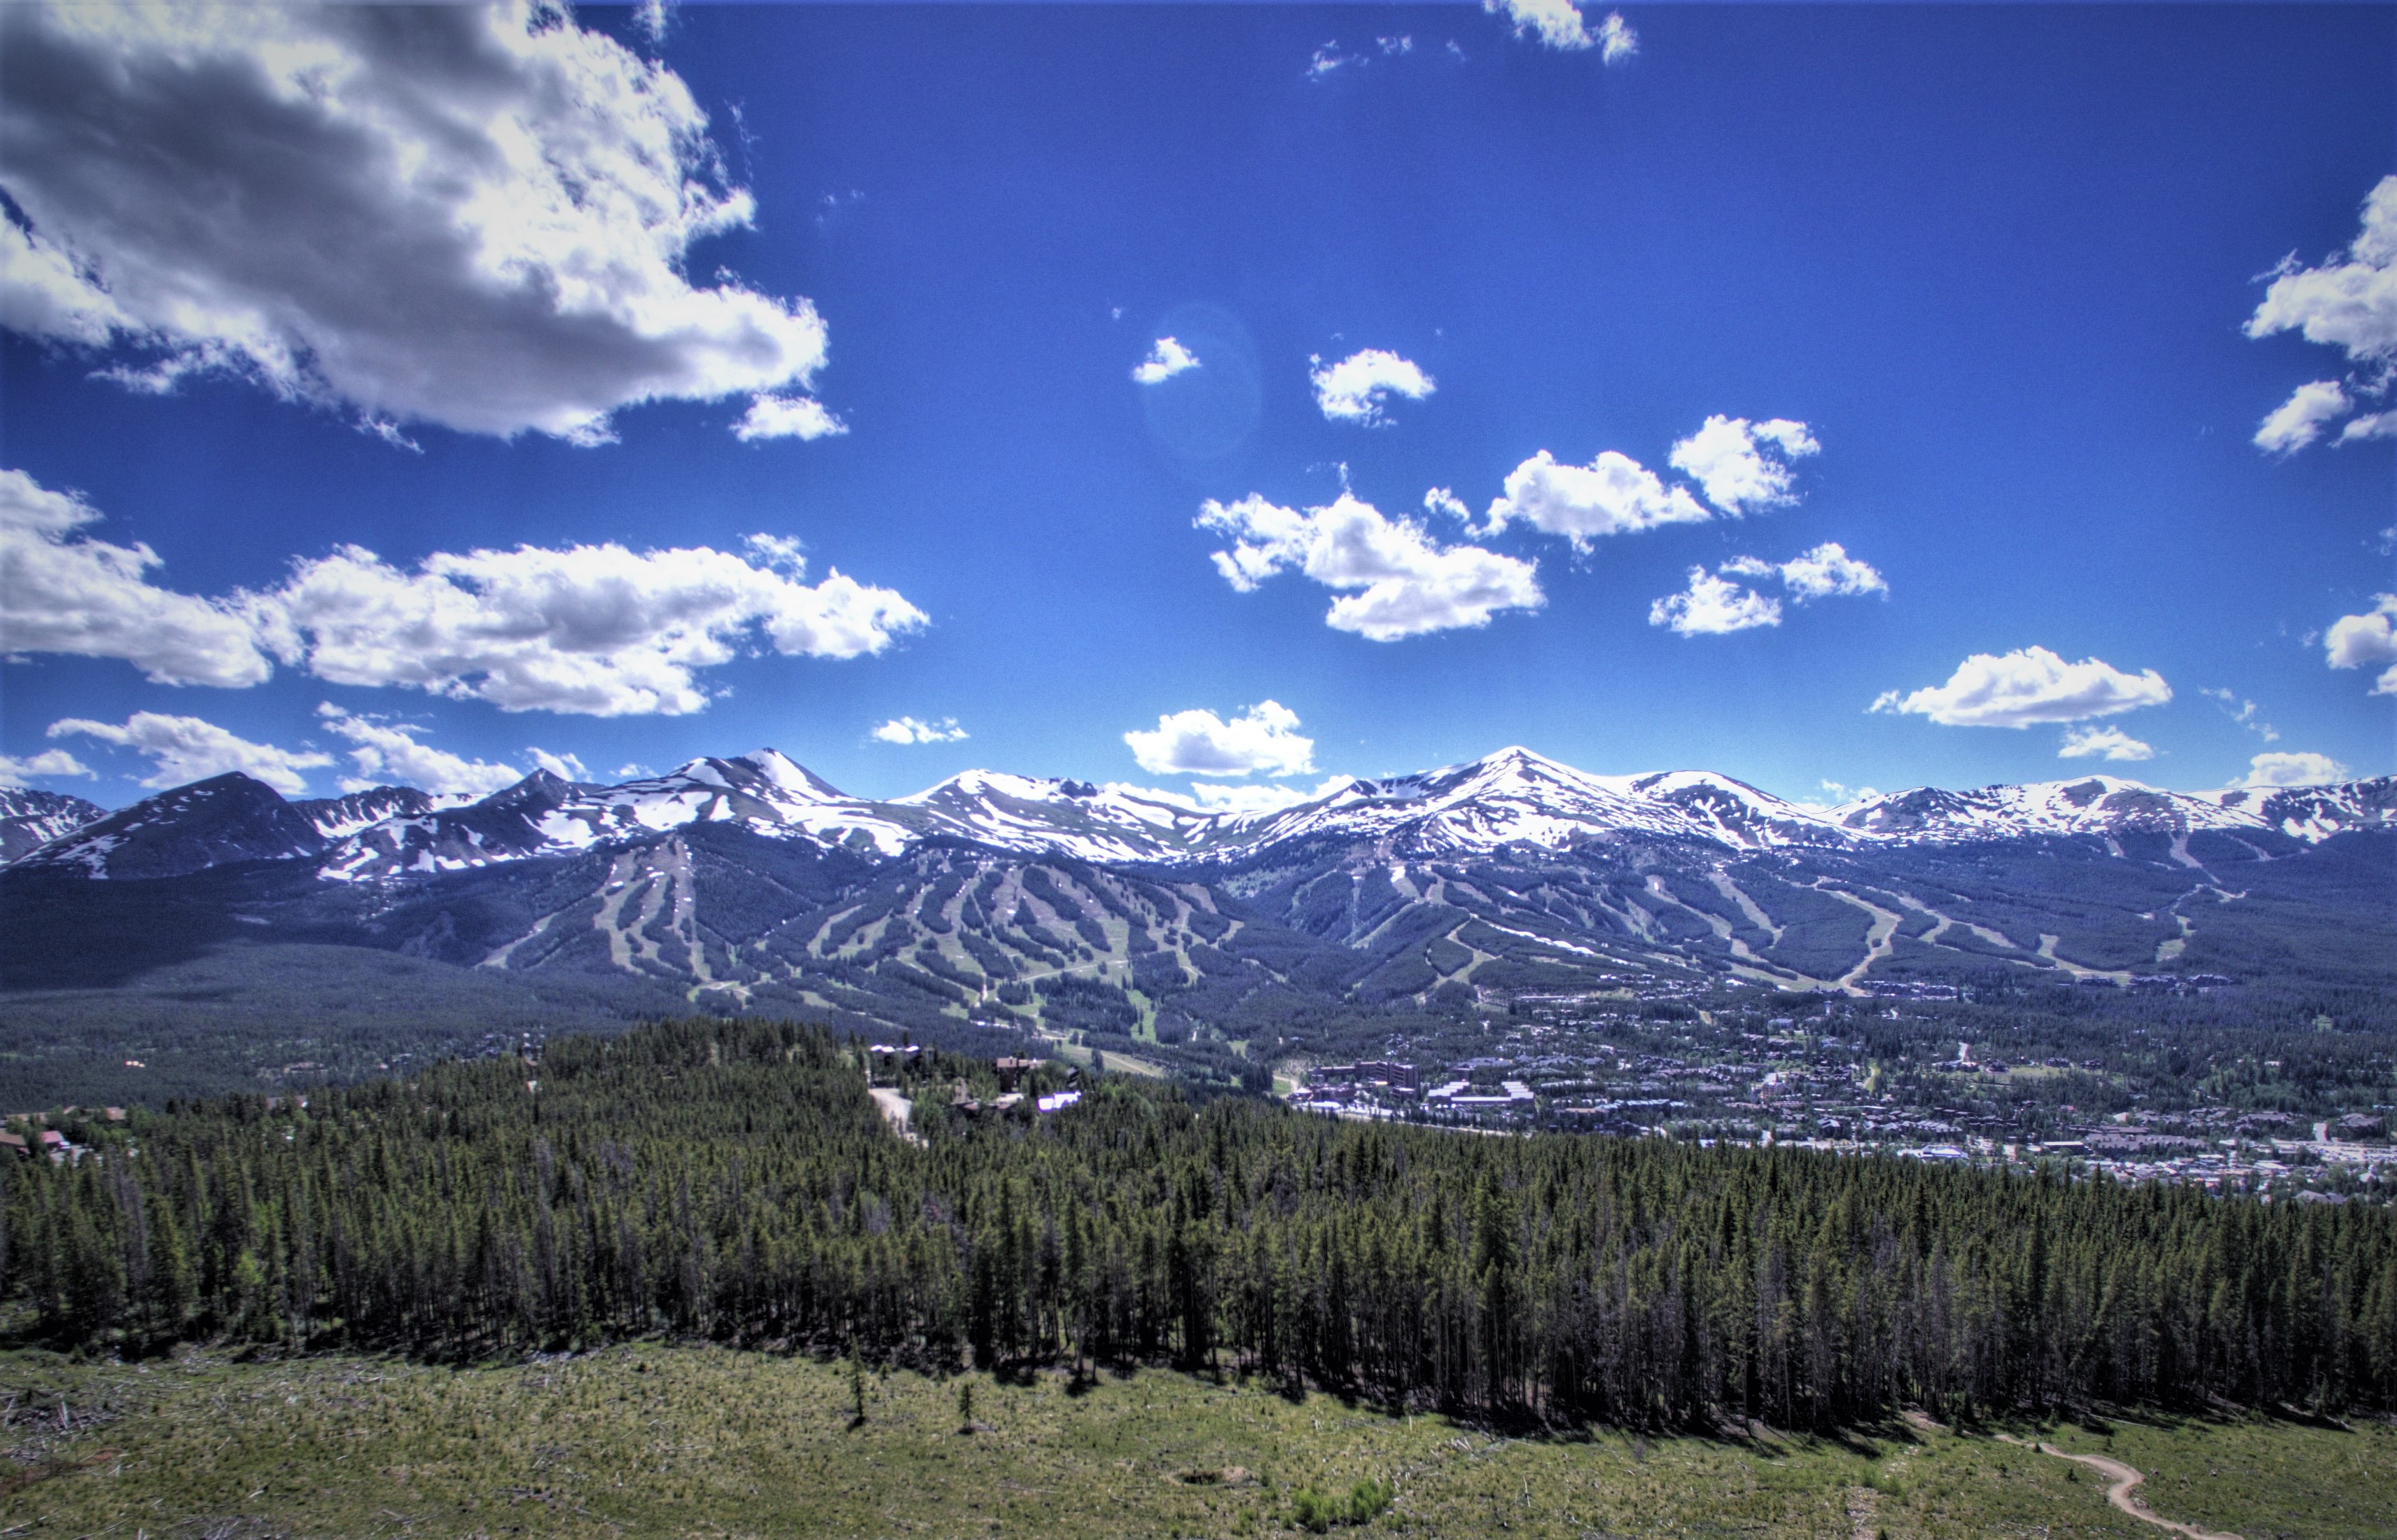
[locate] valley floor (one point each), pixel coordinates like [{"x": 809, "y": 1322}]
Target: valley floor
[{"x": 659, "y": 1440}]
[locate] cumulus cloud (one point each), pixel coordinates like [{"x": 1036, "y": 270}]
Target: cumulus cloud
[
  {"x": 2266, "y": 771},
  {"x": 1613, "y": 494},
  {"x": 598, "y": 630},
  {"x": 389, "y": 754},
  {"x": 1405, "y": 582},
  {"x": 1742, "y": 465},
  {"x": 800, "y": 417},
  {"x": 1714, "y": 607},
  {"x": 2355, "y": 641},
  {"x": 1559, "y": 24},
  {"x": 595, "y": 629},
  {"x": 1166, "y": 359},
  {"x": 1263, "y": 739},
  {"x": 17, "y": 771},
  {"x": 95, "y": 599},
  {"x": 2015, "y": 689},
  {"x": 2350, "y": 304},
  {"x": 1355, "y": 388},
  {"x": 2299, "y": 420},
  {"x": 906, "y": 729},
  {"x": 184, "y": 749},
  {"x": 2083, "y": 743},
  {"x": 475, "y": 216},
  {"x": 1826, "y": 572}
]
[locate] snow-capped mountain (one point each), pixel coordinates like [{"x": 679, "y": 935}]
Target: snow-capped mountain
[
  {"x": 544, "y": 814},
  {"x": 1516, "y": 797},
  {"x": 1512, "y": 797},
  {"x": 751, "y": 882},
  {"x": 31, "y": 819},
  {"x": 1104, "y": 823},
  {"x": 2107, "y": 806},
  {"x": 767, "y": 794}
]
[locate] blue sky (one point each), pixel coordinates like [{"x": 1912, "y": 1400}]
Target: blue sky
[{"x": 1992, "y": 300}]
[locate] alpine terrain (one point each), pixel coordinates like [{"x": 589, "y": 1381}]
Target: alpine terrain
[{"x": 749, "y": 884}]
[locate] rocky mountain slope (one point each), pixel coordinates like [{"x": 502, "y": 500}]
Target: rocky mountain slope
[{"x": 30, "y": 820}]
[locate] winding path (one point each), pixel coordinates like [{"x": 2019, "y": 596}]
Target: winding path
[{"x": 2124, "y": 1477}]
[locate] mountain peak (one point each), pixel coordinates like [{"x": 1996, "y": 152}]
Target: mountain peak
[{"x": 224, "y": 819}]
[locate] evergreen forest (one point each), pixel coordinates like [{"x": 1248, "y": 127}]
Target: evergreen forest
[{"x": 733, "y": 1181}]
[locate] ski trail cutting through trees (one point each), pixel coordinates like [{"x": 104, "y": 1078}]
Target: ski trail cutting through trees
[{"x": 2124, "y": 1477}]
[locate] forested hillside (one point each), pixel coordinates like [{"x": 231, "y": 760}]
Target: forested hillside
[{"x": 733, "y": 1181}]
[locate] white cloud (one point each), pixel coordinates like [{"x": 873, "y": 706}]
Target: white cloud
[
  {"x": 801, "y": 417},
  {"x": 2300, "y": 420},
  {"x": 1328, "y": 58},
  {"x": 565, "y": 767},
  {"x": 1612, "y": 495},
  {"x": 472, "y": 216},
  {"x": 2354, "y": 641},
  {"x": 1232, "y": 798},
  {"x": 1616, "y": 41},
  {"x": 1354, "y": 389},
  {"x": 16, "y": 771},
  {"x": 595, "y": 629},
  {"x": 388, "y": 754},
  {"x": 2266, "y": 771},
  {"x": 2350, "y": 306},
  {"x": 1714, "y": 607},
  {"x": 598, "y": 630},
  {"x": 1166, "y": 359},
  {"x": 1826, "y": 572},
  {"x": 1555, "y": 22},
  {"x": 94, "y": 599},
  {"x": 1265, "y": 738},
  {"x": 184, "y": 749},
  {"x": 2081, "y": 743},
  {"x": 1439, "y": 500},
  {"x": 1742, "y": 465},
  {"x": 2030, "y": 685},
  {"x": 1408, "y": 583},
  {"x": 906, "y": 729}
]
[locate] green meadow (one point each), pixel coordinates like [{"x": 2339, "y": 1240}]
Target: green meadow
[{"x": 651, "y": 1439}]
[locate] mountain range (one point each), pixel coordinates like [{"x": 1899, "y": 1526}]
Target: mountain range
[{"x": 749, "y": 882}]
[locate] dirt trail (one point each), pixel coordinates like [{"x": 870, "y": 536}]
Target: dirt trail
[{"x": 2124, "y": 1477}]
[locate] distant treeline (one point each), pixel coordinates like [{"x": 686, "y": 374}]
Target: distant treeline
[{"x": 733, "y": 1181}]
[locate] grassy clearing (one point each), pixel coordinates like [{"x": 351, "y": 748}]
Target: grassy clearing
[{"x": 657, "y": 1440}]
